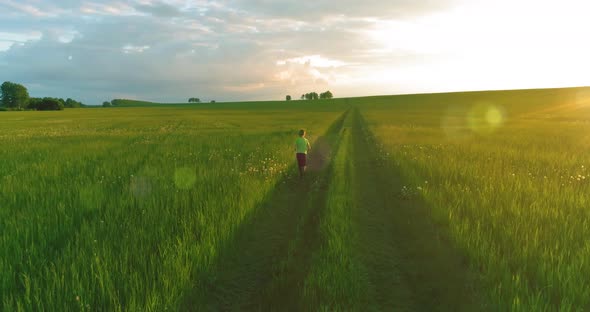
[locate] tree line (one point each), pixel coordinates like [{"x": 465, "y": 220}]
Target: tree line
[
  {"x": 314, "y": 96},
  {"x": 197, "y": 100},
  {"x": 14, "y": 96},
  {"x": 118, "y": 102}
]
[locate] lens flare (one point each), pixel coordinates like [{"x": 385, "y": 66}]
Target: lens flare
[
  {"x": 185, "y": 178},
  {"x": 140, "y": 186},
  {"x": 484, "y": 118},
  {"x": 494, "y": 117}
]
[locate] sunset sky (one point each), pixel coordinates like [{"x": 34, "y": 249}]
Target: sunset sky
[{"x": 264, "y": 49}]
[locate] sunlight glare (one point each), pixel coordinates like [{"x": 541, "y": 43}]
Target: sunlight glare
[{"x": 483, "y": 45}]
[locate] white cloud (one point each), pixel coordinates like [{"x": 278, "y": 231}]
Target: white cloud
[
  {"x": 109, "y": 9},
  {"x": 7, "y": 39},
  {"x": 29, "y": 9},
  {"x": 127, "y": 49},
  {"x": 313, "y": 61},
  {"x": 247, "y": 87},
  {"x": 68, "y": 36}
]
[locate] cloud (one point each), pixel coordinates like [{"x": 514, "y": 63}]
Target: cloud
[
  {"x": 170, "y": 50},
  {"x": 24, "y": 8},
  {"x": 312, "y": 10},
  {"x": 167, "y": 52},
  {"x": 313, "y": 61},
  {"x": 7, "y": 39},
  {"x": 247, "y": 87},
  {"x": 159, "y": 9},
  {"x": 137, "y": 56},
  {"x": 135, "y": 49},
  {"x": 109, "y": 9}
]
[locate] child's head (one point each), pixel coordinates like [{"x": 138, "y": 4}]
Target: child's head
[{"x": 301, "y": 133}]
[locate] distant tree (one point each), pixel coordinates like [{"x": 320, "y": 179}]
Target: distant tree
[
  {"x": 106, "y": 104},
  {"x": 14, "y": 95},
  {"x": 194, "y": 100},
  {"x": 303, "y": 96},
  {"x": 288, "y": 98},
  {"x": 117, "y": 102},
  {"x": 62, "y": 101},
  {"x": 34, "y": 103},
  {"x": 311, "y": 96},
  {"x": 212, "y": 101},
  {"x": 326, "y": 95},
  {"x": 69, "y": 103},
  {"x": 50, "y": 104}
]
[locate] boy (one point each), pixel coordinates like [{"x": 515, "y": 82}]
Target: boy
[{"x": 301, "y": 147}]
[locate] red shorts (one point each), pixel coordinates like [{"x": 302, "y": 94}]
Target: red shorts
[{"x": 302, "y": 159}]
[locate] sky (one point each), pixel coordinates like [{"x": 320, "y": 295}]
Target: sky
[{"x": 234, "y": 50}]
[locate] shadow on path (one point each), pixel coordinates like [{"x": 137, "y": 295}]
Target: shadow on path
[
  {"x": 264, "y": 266},
  {"x": 412, "y": 263}
]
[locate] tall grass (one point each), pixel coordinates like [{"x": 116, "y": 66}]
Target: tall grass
[
  {"x": 337, "y": 280},
  {"x": 122, "y": 209},
  {"x": 129, "y": 208},
  {"x": 513, "y": 193}
]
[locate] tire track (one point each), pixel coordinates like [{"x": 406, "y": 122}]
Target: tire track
[
  {"x": 412, "y": 263},
  {"x": 264, "y": 267}
]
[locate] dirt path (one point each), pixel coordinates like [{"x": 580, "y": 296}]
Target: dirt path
[
  {"x": 412, "y": 264},
  {"x": 264, "y": 267}
]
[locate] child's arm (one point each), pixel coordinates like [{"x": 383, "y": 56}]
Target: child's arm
[{"x": 308, "y": 145}]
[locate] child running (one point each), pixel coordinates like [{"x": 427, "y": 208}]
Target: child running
[{"x": 301, "y": 147}]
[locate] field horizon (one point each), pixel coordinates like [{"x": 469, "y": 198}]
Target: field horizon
[{"x": 145, "y": 103}]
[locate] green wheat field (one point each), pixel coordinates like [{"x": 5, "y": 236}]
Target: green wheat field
[{"x": 474, "y": 201}]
